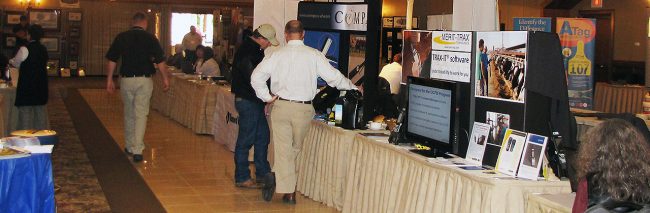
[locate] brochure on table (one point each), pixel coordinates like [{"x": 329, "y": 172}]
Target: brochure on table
[
  {"x": 511, "y": 148},
  {"x": 532, "y": 157},
  {"x": 476, "y": 147}
]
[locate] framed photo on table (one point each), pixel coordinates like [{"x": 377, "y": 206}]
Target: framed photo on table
[
  {"x": 51, "y": 44},
  {"x": 12, "y": 17},
  {"x": 48, "y": 19}
]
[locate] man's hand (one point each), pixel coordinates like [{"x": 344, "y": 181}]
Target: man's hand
[
  {"x": 275, "y": 97},
  {"x": 165, "y": 84},
  {"x": 110, "y": 86},
  {"x": 269, "y": 104}
]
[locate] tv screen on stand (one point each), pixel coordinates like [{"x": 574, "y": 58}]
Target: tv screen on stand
[{"x": 431, "y": 115}]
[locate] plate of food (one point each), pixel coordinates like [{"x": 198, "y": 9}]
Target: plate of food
[{"x": 8, "y": 152}]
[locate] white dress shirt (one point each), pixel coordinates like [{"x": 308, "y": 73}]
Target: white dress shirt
[
  {"x": 393, "y": 74},
  {"x": 192, "y": 40},
  {"x": 294, "y": 70},
  {"x": 208, "y": 68},
  {"x": 21, "y": 56}
]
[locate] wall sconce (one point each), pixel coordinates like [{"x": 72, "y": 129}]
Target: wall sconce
[{"x": 29, "y": 3}]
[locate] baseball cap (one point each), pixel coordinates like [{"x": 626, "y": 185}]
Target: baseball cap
[{"x": 268, "y": 32}]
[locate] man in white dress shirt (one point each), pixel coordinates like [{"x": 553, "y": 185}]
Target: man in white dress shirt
[
  {"x": 393, "y": 73},
  {"x": 293, "y": 70}
]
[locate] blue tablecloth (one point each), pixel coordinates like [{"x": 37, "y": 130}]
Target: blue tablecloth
[{"x": 26, "y": 184}]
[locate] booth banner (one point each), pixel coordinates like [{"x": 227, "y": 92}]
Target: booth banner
[
  {"x": 226, "y": 120},
  {"x": 452, "y": 66},
  {"x": 501, "y": 65},
  {"x": 328, "y": 16},
  {"x": 532, "y": 24},
  {"x": 452, "y": 41},
  {"x": 578, "y": 48},
  {"x": 416, "y": 54}
]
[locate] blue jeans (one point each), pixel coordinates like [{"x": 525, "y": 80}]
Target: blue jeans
[{"x": 253, "y": 132}]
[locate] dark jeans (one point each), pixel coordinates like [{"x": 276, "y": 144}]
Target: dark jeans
[{"x": 253, "y": 132}]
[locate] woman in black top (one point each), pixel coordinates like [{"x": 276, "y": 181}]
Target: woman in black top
[{"x": 32, "y": 89}]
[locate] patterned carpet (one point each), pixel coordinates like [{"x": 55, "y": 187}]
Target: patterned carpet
[{"x": 79, "y": 189}]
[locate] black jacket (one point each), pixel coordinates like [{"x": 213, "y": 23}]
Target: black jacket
[
  {"x": 32, "y": 85},
  {"x": 247, "y": 57}
]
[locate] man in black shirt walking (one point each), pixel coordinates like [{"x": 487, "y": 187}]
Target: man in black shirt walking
[
  {"x": 253, "y": 127},
  {"x": 139, "y": 50}
]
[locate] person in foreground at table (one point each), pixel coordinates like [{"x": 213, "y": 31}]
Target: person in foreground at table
[
  {"x": 139, "y": 51},
  {"x": 190, "y": 43},
  {"x": 293, "y": 70},
  {"x": 207, "y": 66},
  {"x": 177, "y": 59},
  {"x": 613, "y": 166},
  {"x": 32, "y": 89},
  {"x": 253, "y": 126},
  {"x": 393, "y": 73}
]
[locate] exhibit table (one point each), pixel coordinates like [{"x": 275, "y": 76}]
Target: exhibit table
[
  {"x": 357, "y": 174},
  {"x": 226, "y": 119},
  {"x": 189, "y": 101},
  {"x": 26, "y": 184},
  {"x": 9, "y": 111},
  {"x": 619, "y": 98},
  {"x": 550, "y": 203},
  {"x": 586, "y": 123}
]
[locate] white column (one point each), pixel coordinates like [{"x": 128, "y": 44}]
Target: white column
[
  {"x": 409, "y": 14},
  {"x": 475, "y": 15}
]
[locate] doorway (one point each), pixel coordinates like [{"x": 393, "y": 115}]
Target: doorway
[
  {"x": 181, "y": 23},
  {"x": 604, "y": 42}
]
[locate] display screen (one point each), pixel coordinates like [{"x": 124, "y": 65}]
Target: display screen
[{"x": 429, "y": 112}]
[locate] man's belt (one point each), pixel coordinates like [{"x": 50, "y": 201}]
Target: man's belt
[
  {"x": 294, "y": 101},
  {"x": 138, "y": 75}
]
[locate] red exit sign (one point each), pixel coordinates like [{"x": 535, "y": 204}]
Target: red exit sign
[{"x": 596, "y": 3}]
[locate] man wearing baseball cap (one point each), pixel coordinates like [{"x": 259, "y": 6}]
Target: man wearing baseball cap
[{"x": 253, "y": 127}]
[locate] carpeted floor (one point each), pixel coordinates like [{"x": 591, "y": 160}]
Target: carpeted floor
[{"x": 79, "y": 189}]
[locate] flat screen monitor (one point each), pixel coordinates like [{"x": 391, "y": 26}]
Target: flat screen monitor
[{"x": 431, "y": 114}]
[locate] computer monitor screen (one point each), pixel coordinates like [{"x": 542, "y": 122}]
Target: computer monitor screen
[{"x": 430, "y": 113}]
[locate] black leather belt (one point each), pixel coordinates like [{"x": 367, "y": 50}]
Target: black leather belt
[
  {"x": 293, "y": 101},
  {"x": 139, "y": 75}
]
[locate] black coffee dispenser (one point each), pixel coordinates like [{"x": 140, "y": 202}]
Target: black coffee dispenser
[{"x": 353, "y": 110}]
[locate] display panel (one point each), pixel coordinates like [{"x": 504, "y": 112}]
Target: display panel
[
  {"x": 501, "y": 65},
  {"x": 431, "y": 112},
  {"x": 416, "y": 54},
  {"x": 326, "y": 42}
]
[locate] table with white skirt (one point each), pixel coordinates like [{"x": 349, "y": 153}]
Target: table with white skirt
[
  {"x": 189, "y": 101},
  {"x": 354, "y": 173},
  {"x": 550, "y": 203}
]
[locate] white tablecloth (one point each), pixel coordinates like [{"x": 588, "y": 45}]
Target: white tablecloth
[
  {"x": 357, "y": 174},
  {"x": 550, "y": 203}
]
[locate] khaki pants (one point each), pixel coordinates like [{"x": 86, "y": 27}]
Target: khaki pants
[
  {"x": 289, "y": 125},
  {"x": 136, "y": 94}
]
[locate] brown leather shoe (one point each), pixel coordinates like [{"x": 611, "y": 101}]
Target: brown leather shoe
[
  {"x": 289, "y": 198},
  {"x": 250, "y": 184}
]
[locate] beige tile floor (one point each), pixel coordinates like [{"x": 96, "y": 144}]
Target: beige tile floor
[{"x": 188, "y": 172}]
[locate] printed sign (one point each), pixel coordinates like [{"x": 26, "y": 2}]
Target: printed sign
[
  {"x": 452, "y": 41},
  {"x": 501, "y": 65},
  {"x": 453, "y": 66},
  {"x": 352, "y": 17},
  {"x": 532, "y": 24},
  {"x": 578, "y": 48}
]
